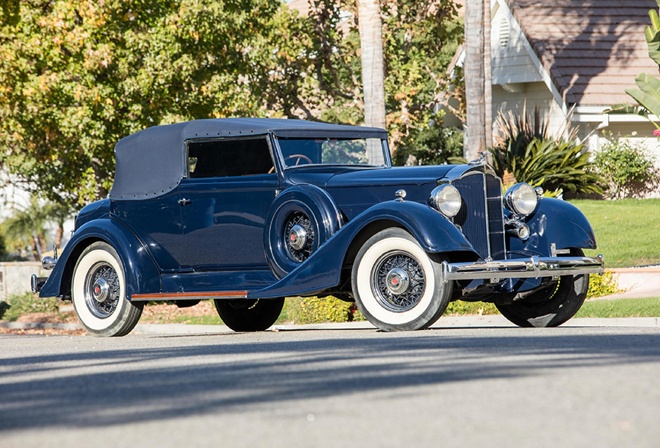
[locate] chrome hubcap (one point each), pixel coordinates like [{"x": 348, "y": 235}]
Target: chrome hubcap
[
  {"x": 100, "y": 290},
  {"x": 297, "y": 237},
  {"x": 398, "y": 281}
]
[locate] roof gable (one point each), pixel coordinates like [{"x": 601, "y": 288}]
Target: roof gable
[{"x": 592, "y": 49}]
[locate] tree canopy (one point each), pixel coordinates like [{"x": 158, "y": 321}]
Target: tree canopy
[{"x": 76, "y": 76}]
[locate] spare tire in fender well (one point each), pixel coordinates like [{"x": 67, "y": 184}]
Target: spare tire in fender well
[{"x": 309, "y": 201}]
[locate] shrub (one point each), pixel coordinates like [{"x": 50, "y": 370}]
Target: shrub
[
  {"x": 626, "y": 168},
  {"x": 461, "y": 308},
  {"x": 19, "y": 305},
  {"x": 602, "y": 285},
  {"x": 311, "y": 310}
]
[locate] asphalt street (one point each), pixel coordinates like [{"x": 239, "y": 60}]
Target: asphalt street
[{"x": 469, "y": 383}]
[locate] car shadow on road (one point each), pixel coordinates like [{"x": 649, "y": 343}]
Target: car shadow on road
[{"x": 99, "y": 382}]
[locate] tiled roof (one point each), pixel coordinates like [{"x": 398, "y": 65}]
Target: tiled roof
[{"x": 593, "y": 49}]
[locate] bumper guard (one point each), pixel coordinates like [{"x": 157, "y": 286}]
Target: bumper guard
[{"x": 533, "y": 267}]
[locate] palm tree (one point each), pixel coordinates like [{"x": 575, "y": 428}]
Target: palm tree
[
  {"x": 27, "y": 227},
  {"x": 478, "y": 129},
  {"x": 373, "y": 69}
]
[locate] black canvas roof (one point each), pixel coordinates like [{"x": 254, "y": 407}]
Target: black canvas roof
[{"x": 152, "y": 162}]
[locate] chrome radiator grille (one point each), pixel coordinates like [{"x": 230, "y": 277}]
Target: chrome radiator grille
[{"x": 481, "y": 217}]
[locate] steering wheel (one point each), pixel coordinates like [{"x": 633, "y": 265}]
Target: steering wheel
[{"x": 298, "y": 158}]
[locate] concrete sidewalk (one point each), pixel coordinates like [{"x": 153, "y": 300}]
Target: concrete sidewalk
[{"x": 636, "y": 282}]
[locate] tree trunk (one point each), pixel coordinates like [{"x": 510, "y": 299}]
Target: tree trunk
[
  {"x": 477, "y": 79},
  {"x": 488, "y": 80},
  {"x": 373, "y": 68}
]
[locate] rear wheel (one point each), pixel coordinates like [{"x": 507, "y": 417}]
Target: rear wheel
[
  {"x": 98, "y": 293},
  {"x": 249, "y": 314},
  {"x": 397, "y": 285},
  {"x": 550, "y": 306}
]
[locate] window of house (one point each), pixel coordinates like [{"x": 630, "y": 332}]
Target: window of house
[{"x": 229, "y": 157}]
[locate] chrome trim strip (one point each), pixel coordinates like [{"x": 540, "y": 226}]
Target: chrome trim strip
[
  {"x": 162, "y": 296},
  {"x": 487, "y": 213},
  {"x": 533, "y": 267}
]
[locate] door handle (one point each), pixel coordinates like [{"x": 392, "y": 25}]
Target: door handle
[{"x": 184, "y": 201}]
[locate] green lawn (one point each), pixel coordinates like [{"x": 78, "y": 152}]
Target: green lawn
[
  {"x": 644, "y": 307},
  {"x": 627, "y": 231}
]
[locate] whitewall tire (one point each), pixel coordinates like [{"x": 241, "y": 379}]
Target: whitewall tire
[
  {"x": 98, "y": 292},
  {"x": 396, "y": 284}
]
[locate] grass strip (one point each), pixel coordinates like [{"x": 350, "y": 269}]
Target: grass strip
[{"x": 626, "y": 230}]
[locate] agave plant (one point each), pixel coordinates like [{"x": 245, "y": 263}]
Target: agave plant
[
  {"x": 517, "y": 130},
  {"x": 552, "y": 165},
  {"x": 526, "y": 149}
]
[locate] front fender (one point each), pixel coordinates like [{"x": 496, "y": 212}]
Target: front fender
[
  {"x": 322, "y": 270},
  {"x": 556, "y": 222},
  {"x": 141, "y": 273}
]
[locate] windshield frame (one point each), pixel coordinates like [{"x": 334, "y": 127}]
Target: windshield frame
[{"x": 387, "y": 160}]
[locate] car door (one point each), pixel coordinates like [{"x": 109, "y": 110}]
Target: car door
[
  {"x": 157, "y": 222},
  {"x": 225, "y": 198}
]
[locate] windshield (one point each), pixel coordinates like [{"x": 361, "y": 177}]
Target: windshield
[{"x": 333, "y": 151}]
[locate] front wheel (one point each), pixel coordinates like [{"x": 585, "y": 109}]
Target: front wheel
[
  {"x": 397, "y": 285},
  {"x": 98, "y": 291},
  {"x": 550, "y": 306},
  {"x": 249, "y": 314}
]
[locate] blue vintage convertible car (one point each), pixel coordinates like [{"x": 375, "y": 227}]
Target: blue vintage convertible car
[{"x": 249, "y": 211}]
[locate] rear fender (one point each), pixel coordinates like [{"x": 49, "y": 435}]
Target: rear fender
[{"x": 141, "y": 273}]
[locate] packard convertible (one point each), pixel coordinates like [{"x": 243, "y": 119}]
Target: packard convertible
[{"x": 247, "y": 212}]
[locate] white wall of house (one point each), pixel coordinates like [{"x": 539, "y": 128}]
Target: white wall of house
[{"x": 529, "y": 96}]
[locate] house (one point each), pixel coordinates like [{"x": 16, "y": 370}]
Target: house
[{"x": 573, "y": 59}]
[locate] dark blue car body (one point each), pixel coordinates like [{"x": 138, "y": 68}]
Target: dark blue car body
[{"x": 192, "y": 215}]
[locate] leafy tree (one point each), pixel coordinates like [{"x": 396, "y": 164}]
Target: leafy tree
[
  {"x": 76, "y": 76},
  {"x": 434, "y": 144},
  {"x": 420, "y": 40}
]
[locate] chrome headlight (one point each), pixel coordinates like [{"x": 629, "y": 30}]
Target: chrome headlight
[
  {"x": 521, "y": 199},
  {"x": 446, "y": 199}
]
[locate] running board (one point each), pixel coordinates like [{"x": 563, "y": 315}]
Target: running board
[{"x": 168, "y": 296}]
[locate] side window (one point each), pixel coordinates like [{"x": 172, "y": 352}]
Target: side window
[{"x": 226, "y": 157}]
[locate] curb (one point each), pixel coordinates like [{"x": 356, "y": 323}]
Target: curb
[
  {"x": 447, "y": 322},
  {"x": 636, "y": 282}
]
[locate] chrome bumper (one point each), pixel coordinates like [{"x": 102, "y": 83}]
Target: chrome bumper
[{"x": 533, "y": 267}]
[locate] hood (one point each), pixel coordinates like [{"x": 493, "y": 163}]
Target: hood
[
  {"x": 356, "y": 189},
  {"x": 341, "y": 177}
]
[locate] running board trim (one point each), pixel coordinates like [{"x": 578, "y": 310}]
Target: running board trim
[{"x": 166, "y": 296}]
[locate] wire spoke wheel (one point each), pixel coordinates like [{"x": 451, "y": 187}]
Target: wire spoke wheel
[
  {"x": 398, "y": 282},
  {"x": 299, "y": 237},
  {"x": 98, "y": 292},
  {"x": 102, "y": 290}
]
